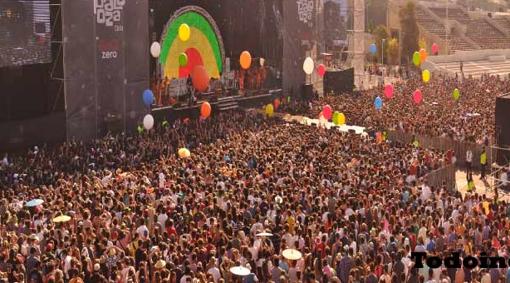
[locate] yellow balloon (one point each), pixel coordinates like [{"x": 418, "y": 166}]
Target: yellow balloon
[
  {"x": 184, "y": 153},
  {"x": 341, "y": 119},
  {"x": 426, "y": 76},
  {"x": 269, "y": 110},
  {"x": 184, "y": 32}
]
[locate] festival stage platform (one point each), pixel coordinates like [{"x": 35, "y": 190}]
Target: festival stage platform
[{"x": 171, "y": 113}]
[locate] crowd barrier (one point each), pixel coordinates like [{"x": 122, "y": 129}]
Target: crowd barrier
[
  {"x": 442, "y": 177},
  {"x": 445, "y": 144}
]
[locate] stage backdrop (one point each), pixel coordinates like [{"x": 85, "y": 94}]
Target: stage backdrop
[
  {"x": 106, "y": 65},
  {"x": 251, "y": 25}
]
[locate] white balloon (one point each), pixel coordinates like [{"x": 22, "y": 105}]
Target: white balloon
[
  {"x": 148, "y": 122},
  {"x": 308, "y": 66},
  {"x": 155, "y": 49}
]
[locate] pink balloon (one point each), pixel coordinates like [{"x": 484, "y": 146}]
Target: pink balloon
[
  {"x": 327, "y": 111},
  {"x": 417, "y": 96},
  {"x": 435, "y": 48},
  {"x": 388, "y": 90},
  {"x": 321, "y": 69}
]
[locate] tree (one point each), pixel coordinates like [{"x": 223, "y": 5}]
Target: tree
[
  {"x": 393, "y": 46},
  {"x": 380, "y": 33},
  {"x": 410, "y": 31}
]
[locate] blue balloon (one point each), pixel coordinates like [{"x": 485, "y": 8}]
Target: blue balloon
[
  {"x": 148, "y": 97},
  {"x": 378, "y": 103},
  {"x": 373, "y": 48}
]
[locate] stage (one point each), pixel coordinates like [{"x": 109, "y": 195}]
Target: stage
[{"x": 172, "y": 113}]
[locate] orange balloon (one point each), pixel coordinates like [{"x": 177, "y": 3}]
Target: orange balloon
[
  {"x": 276, "y": 103},
  {"x": 423, "y": 55},
  {"x": 245, "y": 60},
  {"x": 205, "y": 109},
  {"x": 200, "y": 78}
]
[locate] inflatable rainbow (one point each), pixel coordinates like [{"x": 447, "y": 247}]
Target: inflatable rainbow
[{"x": 204, "y": 47}]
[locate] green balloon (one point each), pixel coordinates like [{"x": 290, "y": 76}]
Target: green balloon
[
  {"x": 416, "y": 58},
  {"x": 336, "y": 118},
  {"x": 456, "y": 94},
  {"x": 183, "y": 59}
]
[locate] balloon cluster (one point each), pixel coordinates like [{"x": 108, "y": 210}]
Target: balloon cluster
[
  {"x": 309, "y": 66},
  {"x": 327, "y": 113},
  {"x": 148, "y": 100}
]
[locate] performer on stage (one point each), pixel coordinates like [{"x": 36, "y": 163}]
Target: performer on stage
[{"x": 191, "y": 90}]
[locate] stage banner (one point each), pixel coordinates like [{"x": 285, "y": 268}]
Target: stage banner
[
  {"x": 106, "y": 64},
  {"x": 79, "y": 41},
  {"x": 298, "y": 37},
  {"x": 137, "y": 61},
  {"x": 110, "y": 58}
]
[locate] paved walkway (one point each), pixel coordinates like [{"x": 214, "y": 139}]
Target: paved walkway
[
  {"x": 482, "y": 187},
  {"x": 477, "y": 68}
]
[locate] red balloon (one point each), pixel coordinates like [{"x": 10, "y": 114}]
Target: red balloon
[
  {"x": 417, "y": 96},
  {"x": 327, "y": 111},
  {"x": 388, "y": 91},
  {"x": 435, "y": 48},
  {"x": 205, "y": 110},
  {"x": 200, "y": 78},
  {"x": 276, "y": 103},
  {"x": 321, "y": 69}
]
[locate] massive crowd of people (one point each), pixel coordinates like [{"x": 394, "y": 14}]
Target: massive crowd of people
[
  {"x": 354, "y": 206},
  {"x": 471, "y": 118},
  {"x": 140, "y": 214}
]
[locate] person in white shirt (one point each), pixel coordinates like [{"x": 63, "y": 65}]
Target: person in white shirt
[
  {"x": 469, "y": 160},
  {"x": 142, "y": 230},
  {"x": 504, "y": 179},
  {"x": 213, "y": 270},
  {"x": 290, "y": 240},
  {"x": 425, "y": 192},
  {"x": 161, "y": 180},
  {"x": 162, "y": 218},
  {"x": 5, "y": 161}
]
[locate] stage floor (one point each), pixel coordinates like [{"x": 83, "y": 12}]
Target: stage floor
[{"x": 219, "y": 104}]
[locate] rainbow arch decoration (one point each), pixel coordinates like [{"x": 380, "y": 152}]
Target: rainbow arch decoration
[{"x": 204, "y": 47}]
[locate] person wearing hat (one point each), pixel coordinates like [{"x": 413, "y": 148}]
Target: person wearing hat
[{"x": 97, "y": 276}]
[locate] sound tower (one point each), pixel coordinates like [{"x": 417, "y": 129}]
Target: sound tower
[
  {"x": 106, "y": 65},
  {"x": 503, "y": 128}
]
